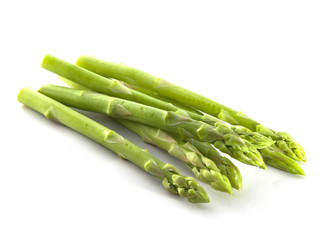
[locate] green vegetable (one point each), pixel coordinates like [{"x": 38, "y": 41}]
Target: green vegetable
[
  {"x": 203, "y": 168},
  {"x": 164, "y": 99},
  {"x": 89, "y": 80},
  {"x": 258, "y": 140},
  {"x": 168, "y": 174},
  {"x": 80, "y": 78},
  {"x": 224, "y": 164},
  {"x": 274, "y": 157},
  {"x": 170, "y": 121},
  {"x": 287, "y": 145}
]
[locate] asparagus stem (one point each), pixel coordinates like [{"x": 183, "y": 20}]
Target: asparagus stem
[
  {"x": 120, "y": 108},
  {"x": 72, "y": 84},
  {"x": 203, "y": 168},
  {"x": 89, "y": 80},
  {"x": 170, "y": 121},
  {"x": 256, "y": 139},
  {"x": 225, "y": 166},
  {"x": 164, "y": 99},
  {"x": 80, "y": 78},
  {"x": 133, "y": 76},
  {"x": 169, "y": 175}
]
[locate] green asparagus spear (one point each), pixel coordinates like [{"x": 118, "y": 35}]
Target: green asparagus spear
[
  {"x": 78, "y": 77},
  {"x": 89, "y": 80},
  {"x": 170, "y": 121},
  {"x": 203, "y": 168},
  {"x": 273, "y": 156},
  {"x": 256, "y": 139},
  {"x": 225, "y": 166},
  {"x": 284, "y": 141},
  {"x": 83, "y": 77},
  {"x": 169, "y": 175},
  {"x": 251, "y": 157},
  {"x": 164, "y": 99},
  {"x": 72, "y": 84},
  {"x": 120, "y": 108}
]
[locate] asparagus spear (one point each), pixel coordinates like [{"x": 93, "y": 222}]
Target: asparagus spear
[
  {"x": 228, "y": 142},
  {"x": 254, "y": 138},
  {"x": 203, "y": 168},
  {"x": 225, "y": 166},
  {"x": 164, "y": 99},
  {"x": 171, "y": 178},
  {"x": 89, "y": 80},
  {"x": 272, "y": 155},
  {"x": 284, "y": 141},
  {"x": 78, "y": 77}
]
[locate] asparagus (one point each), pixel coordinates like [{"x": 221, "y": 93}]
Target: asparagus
[
  {"x": 78, "y": 77},
  {"x": 274, "y": 157},
  {"x": 284, "y": 141},
  {"x": 89, "y": 80},
  {"x": 256, "y": 139},
  {"x": 225, "y": 166},
  {"x": 203, "y": 168},
  {"x": 228, "y": 142},
  {"x": 171, "y": 178},
  {"x": 164, "y": 99},
  {"x": 59, "y": 66},
  {"x": 72, "y": 84}
]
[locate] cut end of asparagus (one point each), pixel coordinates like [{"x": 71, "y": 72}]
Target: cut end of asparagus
[{"x": 47, "y": 60}]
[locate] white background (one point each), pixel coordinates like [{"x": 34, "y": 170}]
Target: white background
[{"x": 271, "y": 59}]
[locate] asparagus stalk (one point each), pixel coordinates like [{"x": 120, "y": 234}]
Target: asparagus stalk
[
  {"x": 120, "y": 108},
  {"x": 164, "y": 99},
  {"x": 225, "y": 166},
  {"x": 89, "y": 80},
  {"x": 78, "y": 77},
  {"x": 254, "y": 138},
  {"x": 203, "y": 168},
  {"x": 284, "y": 141},
  {"x": 171, "y": 178},
  {"x": 72, "y": 84},
  {"x": 170, "y": 121}
]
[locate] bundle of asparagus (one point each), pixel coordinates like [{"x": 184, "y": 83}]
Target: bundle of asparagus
[
  {"x": 187, "y": 125},
  {"x": 170, "y": 176}
]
